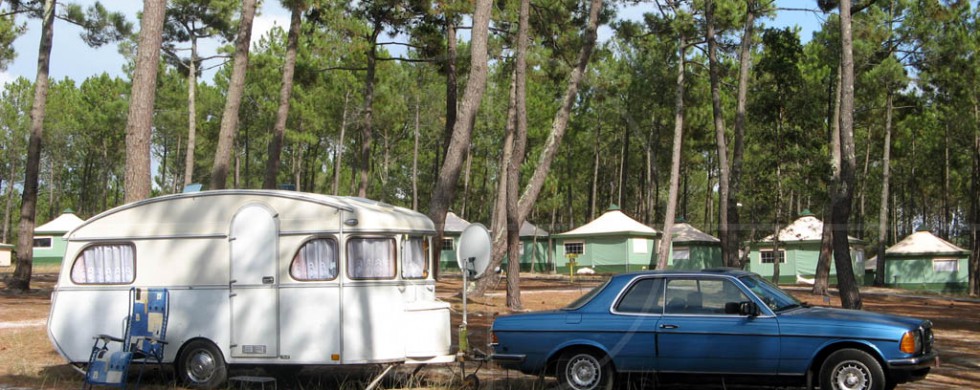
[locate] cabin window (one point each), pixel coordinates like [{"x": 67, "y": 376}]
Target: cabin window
[
  {"x": 315, "y": 260},
  {"x": 769, "y": 256},
  {"x": 682, "y": 253},
  {"x": 447, "y": 244},
  {"x": 371, "y": 258},
  {"x": 105, "y": 264},
  {"x": 639, "y": 245},
  {"x": 42, "y": 242},
  {"x": 415, "y": 258},
  {"x": 945, "y": 265},
  {"x": 574, "y": 248}
]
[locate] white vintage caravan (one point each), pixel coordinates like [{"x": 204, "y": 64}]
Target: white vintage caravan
[{"x": 257, "y": 278}]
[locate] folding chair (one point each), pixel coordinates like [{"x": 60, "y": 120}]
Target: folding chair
[{"x": 143, "y": 340}]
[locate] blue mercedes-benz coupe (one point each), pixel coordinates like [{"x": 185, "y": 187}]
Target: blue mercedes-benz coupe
[{"x": 713, "y": 326}]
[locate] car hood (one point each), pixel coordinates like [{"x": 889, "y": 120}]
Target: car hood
[{"x": 834, "y": 320}]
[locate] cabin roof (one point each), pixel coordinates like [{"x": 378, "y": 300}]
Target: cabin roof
[
  {"x": 612, "y": 222},
  {"x": 686, "y": 233},
  {"x": 529, "y": 230},
  {"x": 61, "y": 225},
  {"x": 805, "y": 228},
  {"x": 455, "y": 224}
]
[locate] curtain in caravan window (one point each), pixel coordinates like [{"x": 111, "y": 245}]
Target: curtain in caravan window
[
  {"x": 105, "y": 264},
  {"x": 413, "y": 258},
  {"x": 371, "y": 258},
  {"x": 316, "y": 260}
]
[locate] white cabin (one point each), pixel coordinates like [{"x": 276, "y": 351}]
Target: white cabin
[{"x": 257, "y": 277}]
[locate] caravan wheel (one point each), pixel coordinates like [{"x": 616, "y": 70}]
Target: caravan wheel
[{"x": 201, "y": 366}]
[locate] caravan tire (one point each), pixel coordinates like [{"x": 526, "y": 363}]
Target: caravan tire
[{"x": 201, "y": 366}]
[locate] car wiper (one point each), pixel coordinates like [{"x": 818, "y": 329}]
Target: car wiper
[{"x": 788, "y": 307}]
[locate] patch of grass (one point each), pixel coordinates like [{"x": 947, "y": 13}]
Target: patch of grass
[{"x": 29, "y": 361}]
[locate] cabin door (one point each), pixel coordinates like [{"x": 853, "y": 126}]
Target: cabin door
[{"x": 254, "y": 301}]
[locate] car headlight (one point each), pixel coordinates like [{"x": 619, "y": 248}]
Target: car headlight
[{"x": 911, "y": 342}]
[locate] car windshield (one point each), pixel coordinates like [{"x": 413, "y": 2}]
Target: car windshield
[
  {"x": 581, "y": 301},
  {"x": 777, "y": 300}
]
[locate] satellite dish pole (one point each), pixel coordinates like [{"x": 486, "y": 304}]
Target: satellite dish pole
[{"x": 473, "y": 257}]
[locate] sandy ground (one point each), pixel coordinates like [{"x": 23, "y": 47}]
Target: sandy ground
[{"x": 27, "y": 359}]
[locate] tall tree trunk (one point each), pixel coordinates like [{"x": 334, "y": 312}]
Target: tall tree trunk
[
  {"x": 883, "y": 211},
  {"x": 974, "y": 272},
  {"x": 514, "y": 219},
  {"x": 719, "y": 120},
  {"x": 779, "y": 196},
  {"x": 498, "y": 220},
  {"x": 9, "y": 203},
  {"x": 730, "y": 256},
  {"x": 140, "y": 123},
  {"x": 946, "y": 213},
  {"x": 821, "y": 283},
  {"x": 451, "y": 85},
  {"x": 339, "y": 149},
  {"x": 21, "y": 279},
  {"x": 415, "y": 146},
  {"x": 191, "y": 115},
  {"x": 367, "y": 130},
  {"x": 595, "y": 174},
  {"x": 843, "y": 198},
  {"x": 236, "y": 88},
  {"x": 560, "y": 123},
  {"x": 285, "y": 91},
  {"x": 675, "y": 164},
  {"x": 445, "y": 188},
  {"x": 558, "y": 127}
]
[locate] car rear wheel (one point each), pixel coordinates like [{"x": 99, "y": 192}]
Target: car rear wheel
[
  {"x": 852, "y": 369},
  {"x": 578, "y": 370},
  {"x": 201, "y": 366}
]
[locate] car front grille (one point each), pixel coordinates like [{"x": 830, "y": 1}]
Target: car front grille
[{"x": 927, "y": 337}]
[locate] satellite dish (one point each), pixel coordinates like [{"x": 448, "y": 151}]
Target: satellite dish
[{"x": 473, "y": 255}]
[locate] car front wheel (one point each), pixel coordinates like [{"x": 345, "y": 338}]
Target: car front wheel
[
  {"x": 851, "y": 369},
  {"x": 579, "y": 370}
]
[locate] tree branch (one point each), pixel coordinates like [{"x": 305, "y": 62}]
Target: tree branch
[
  {"x": 352, "y": 69},
  {"x": 403, "y": 59}
]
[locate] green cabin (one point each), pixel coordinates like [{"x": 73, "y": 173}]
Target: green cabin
[
  {"x": 49, "y": 242},
  {"x": 923, "y": 261},
  {"x": 535, "y": 256},
  {"x": 798, "y": 250},
  {"x": 612, "y": 243},
  {"x": 692, "y": 249},
  {"x": 450, "y": 241}
]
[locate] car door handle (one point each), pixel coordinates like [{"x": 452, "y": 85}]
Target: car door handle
[{"x": 668, "y": 326}]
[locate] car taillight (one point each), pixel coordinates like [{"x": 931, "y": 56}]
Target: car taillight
[
  {"x": 493, "y": 338},
  {"x": 911, "y": 341}
]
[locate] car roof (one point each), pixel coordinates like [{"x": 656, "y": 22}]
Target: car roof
[{"x": 735, "y": 272}]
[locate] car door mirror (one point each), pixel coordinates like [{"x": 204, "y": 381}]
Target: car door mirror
[
  {"x": 731, "y": 308},
  {"x": 746, "y": 308}
]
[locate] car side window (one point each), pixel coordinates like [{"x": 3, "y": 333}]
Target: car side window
[
  {"x": 701, "y": 296},
  {"x": 645, "y": 296}
]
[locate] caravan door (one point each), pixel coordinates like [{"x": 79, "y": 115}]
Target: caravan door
[{"x": 254, "y": 299}]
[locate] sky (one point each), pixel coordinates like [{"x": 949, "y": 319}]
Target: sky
[{"x": 73, "y": 59}]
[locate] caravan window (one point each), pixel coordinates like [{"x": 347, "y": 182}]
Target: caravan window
[
  {"x": 415, "y": 258},
  {"x": 371, "y": 258},
  {"x": 316, "y": 260},
  {"x": 105, "y": 264}
]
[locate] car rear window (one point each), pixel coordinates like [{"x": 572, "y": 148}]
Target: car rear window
[
  {"x": 645, "y": 296},
  {"x": 581, "y": 301}
]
